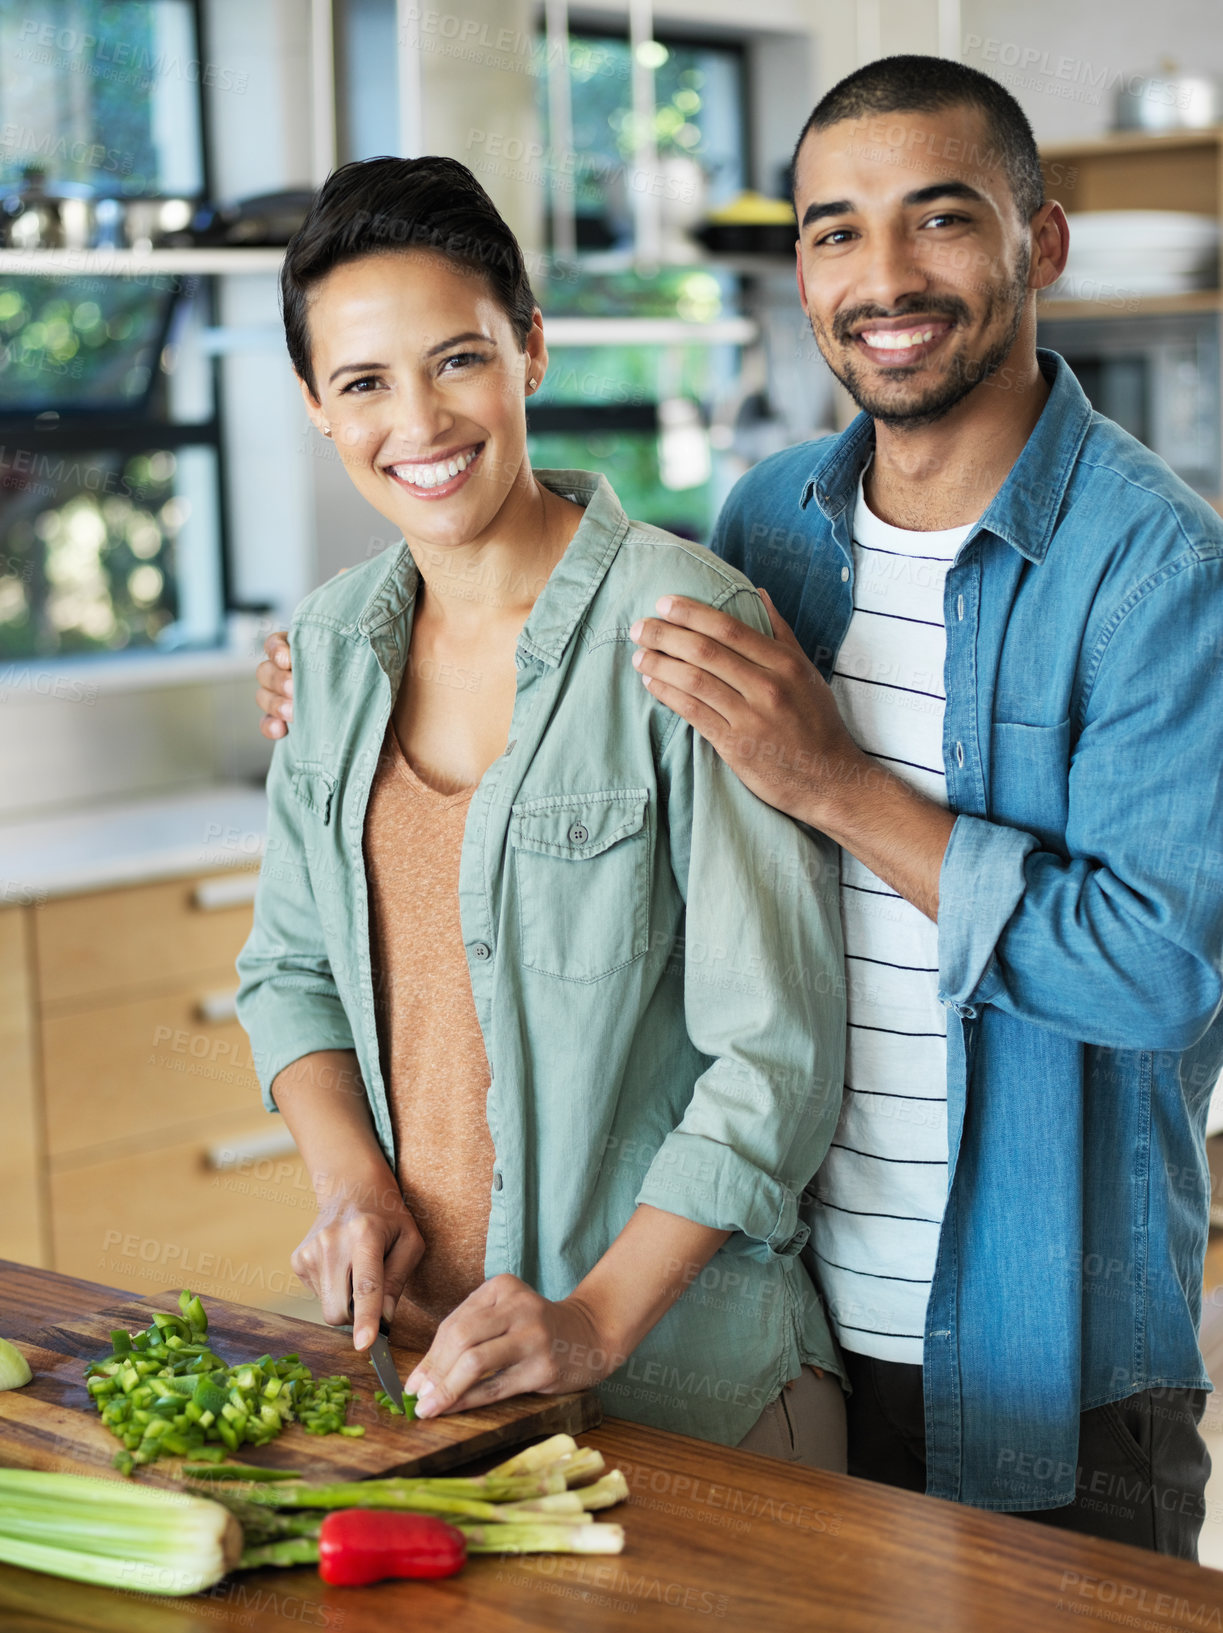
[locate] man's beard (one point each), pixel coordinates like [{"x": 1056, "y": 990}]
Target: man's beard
[{"x": 963, "y": 374}]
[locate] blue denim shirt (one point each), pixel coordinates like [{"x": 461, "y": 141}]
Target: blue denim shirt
[{"x": 1080, "y": 921}]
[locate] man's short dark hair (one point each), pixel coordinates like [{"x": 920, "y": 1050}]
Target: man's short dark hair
[
  {"x": 913, "y": 84},
  {"x": 379, "y": 206}
]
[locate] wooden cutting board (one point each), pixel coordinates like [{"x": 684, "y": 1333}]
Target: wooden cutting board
[{"x": 51, "y": 1423}]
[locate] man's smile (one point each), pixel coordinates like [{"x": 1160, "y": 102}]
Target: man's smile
[{"x": 897, "y": 342}]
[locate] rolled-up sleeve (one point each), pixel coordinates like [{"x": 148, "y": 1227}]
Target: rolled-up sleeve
[
  {"x": 764, "y": 995},
  {"x": 288, "y": 999},
  {"x": 980, "y": 886}
]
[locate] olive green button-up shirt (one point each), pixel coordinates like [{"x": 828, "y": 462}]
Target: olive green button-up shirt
[{"x": 655, "y": 956}]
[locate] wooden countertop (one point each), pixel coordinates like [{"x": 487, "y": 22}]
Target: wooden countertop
[{"x": 715, "y": 1538}]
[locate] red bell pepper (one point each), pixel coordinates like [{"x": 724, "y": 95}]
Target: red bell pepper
[{"x": 361, "y": 1545}]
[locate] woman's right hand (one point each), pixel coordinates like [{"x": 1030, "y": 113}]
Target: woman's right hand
[
  {"x": 364, "y": 1237},
  {"x": 274, "y": 693}
]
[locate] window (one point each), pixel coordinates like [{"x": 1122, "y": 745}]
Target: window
[
  {"x": 637, "y": 413},
  {"x": 699, "y": 97},
  {"x": 102, "y": 96},
  {"x": 110, "y": 516}
]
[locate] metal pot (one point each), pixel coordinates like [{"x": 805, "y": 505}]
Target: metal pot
[
  {"x": 33, "y": 219},
  {"x": 31, "y": 215},
  {"x": 149, "y": 221},
  {"x": 1167, "y": 102}
]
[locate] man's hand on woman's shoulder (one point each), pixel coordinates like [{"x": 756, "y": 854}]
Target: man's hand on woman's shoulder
[{"x": 274, "y": 693}]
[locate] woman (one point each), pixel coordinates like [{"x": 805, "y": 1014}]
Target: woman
[{"x": 551, "y": 1004}]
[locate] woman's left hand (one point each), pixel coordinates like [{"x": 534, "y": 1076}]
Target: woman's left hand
[{"x": 505, "y": 1339}]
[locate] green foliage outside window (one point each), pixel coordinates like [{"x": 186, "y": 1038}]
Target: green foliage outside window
[
  {"x": 78, "y": 84},
  {"x": 87, "y": 563}
]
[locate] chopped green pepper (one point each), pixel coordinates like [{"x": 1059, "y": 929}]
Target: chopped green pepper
[{"x": 165, "y": 1390}]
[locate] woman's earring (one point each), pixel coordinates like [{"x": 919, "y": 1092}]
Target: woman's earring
[
  {"x": 326, "y": 430},
  {"x": 531, "y": 383}
]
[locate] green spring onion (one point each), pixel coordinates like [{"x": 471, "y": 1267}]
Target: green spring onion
[{"x": 538, "y": 1501}]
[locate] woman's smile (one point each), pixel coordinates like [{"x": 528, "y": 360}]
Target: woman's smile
[{"x": 436, "y": 478}]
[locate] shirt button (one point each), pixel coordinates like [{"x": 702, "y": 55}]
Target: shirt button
[
  {"x": 844, "y": 575},
  {"x": 498, "y": 1182},
  {"x": 578, "y": 834},
  {"x": 510, "y": 746},
  {"x": 959, "y": 754},
  {"x": 959, "y": 607},
  {"x": 481, "y": 950}
]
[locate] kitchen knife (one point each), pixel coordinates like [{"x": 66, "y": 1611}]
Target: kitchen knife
[{"x": 384, "y": 1363}]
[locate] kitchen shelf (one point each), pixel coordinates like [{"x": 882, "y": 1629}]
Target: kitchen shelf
[
  {"x": 735, "y": 331},
  {"x": 1139, "y": 170},
  {"x": 619, "y": 260},
  {"x": 560, "y": 332},
  {"x": 127, "y": 263},
  {"x": 131, "y": 263},
  {"x": 1133, "y": 141},
  {"x": 1195, "y": 300}
]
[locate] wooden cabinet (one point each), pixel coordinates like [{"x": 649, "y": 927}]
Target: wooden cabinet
[
  {"x": 23, "y": 1217},
  {"x": 115, "y": 941},
  {"x": 155, "y": 1066},
  {"x": 137, "y": 1151},
  {"x": 165, "y": 1215}
]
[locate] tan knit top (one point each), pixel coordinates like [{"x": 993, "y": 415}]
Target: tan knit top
[{"x": 432, "y": 1049}]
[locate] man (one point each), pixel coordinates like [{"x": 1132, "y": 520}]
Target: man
[{"x": 997, "y": 698}]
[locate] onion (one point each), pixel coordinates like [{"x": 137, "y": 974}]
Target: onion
[{"x": 14, "y": 1368}]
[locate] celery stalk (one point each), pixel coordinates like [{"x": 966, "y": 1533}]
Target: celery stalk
[{"x": 113, "y": 1534}]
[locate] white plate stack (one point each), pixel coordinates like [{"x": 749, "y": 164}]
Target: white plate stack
[{"x": 1118, "y": 255}]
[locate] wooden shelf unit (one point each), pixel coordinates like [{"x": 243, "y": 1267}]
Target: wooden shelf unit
[
  {"x": 1133, "y": 170},
  {"x": 1194, "y": 300},
  {"x": 1138, "y": 170}
]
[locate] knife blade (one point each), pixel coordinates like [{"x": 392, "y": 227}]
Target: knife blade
[
  {"x": 384, "y": 1365},
  {"x": 384, "y": 1362}
]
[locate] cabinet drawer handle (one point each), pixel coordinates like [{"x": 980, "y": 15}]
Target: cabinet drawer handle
[
  {"x": 213, "y": 895},
  {"x": 278, "y": 1142},
  {"x": 218, "y": 1006}
]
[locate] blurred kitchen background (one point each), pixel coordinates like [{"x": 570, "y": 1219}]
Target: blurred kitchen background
[{"x": 164, "y": 501}]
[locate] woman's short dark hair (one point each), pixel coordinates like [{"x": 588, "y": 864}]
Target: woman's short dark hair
[
  {"x": 379, "y": 206},
  {"x": 912, "y": 84}
]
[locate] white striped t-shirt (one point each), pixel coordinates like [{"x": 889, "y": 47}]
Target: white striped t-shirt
[{"x": 883, "y": 1186}]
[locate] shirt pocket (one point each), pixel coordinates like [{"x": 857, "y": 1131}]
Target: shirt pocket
[
  {"x": 1030, "y": 778},
  {"x": 314, "y": 787},
  {"x": 582, "y": 881}
]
